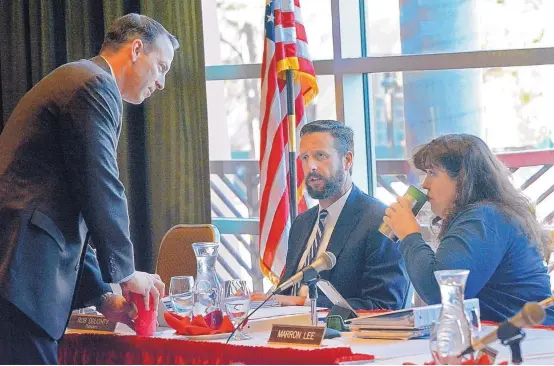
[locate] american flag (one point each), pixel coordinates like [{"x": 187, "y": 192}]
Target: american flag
[{"x": 286, "y": 47}]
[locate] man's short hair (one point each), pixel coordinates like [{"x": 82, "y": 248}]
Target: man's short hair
[
  {"x": 133, "y": 26},
  {"x": 342, "y": 134}
]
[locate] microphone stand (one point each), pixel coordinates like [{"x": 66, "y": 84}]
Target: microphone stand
[
  {"x": 312, "y": 286},
  {"x": 512, "y": 336},
  {"x": 508, "y": 335},
  {"x": 312, "y": 292}
]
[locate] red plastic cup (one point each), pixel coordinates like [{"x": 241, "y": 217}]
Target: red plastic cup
[{"x": 146, "y": 321}]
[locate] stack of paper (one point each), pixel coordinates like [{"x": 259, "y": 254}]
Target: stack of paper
[
  {"x": 401, "y": 333},
  {"x": 269, "y": 304},
  {"x": 405, "y": 324}
]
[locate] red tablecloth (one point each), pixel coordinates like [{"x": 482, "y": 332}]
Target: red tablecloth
[{"x": 90, "y": 349}]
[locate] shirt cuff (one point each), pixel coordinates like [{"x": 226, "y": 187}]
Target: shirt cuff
[{"x": 126, "y": 278}]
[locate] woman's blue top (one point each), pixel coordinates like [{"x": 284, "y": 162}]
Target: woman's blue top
[{"x": 506, "y": 269}]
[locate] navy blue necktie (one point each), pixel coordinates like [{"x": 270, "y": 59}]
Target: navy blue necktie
[{"x": 314, "y": 248}]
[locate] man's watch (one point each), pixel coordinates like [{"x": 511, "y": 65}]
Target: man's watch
[{"x": 99, "y": 301}]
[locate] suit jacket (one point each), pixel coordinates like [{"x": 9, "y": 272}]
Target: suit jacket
[
  {"x": 370, "y": 272},
  {"x": 58, "y": 181}
]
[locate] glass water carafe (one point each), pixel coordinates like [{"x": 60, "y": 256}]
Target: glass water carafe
[
  {"x": 207, "y": 289},
  {"x": 452, "y": 334}
]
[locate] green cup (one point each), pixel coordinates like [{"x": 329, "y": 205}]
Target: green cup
[
  {"x": 417, "y": 200},
  {"x": 336, "y": 322}
]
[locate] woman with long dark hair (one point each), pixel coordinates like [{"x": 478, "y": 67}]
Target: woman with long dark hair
[{"x": 486, "y": 226}]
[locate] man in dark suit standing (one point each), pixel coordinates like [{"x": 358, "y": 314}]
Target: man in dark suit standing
[
  {"x": 369, "y": 272},
  {"x": 59, "y": 184}
]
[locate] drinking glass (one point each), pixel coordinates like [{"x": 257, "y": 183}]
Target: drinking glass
[
  {"x": 180, "y": 294},
  {"x": 236, "y": 298}
]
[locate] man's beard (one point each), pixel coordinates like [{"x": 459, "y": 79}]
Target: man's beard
[{"x": 331, "y": 185}]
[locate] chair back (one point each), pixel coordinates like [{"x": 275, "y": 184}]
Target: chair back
[{"x": 176, "y": 256}]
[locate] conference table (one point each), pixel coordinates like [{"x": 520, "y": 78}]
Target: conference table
[{"x": 123, "y": 347}]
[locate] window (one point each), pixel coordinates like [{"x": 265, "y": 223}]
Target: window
[
  {"x": 233, "y": 30},
  {"x": 399, "y": 73},
  {"x": 438, "y": 26},
  {"x": 510, "y": 108}
]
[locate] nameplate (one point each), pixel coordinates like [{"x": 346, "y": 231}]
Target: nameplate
[
  {"x": 299, "y": 335},
  {"x": 91, "y": 322}
]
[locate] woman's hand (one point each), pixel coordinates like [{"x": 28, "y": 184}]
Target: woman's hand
[{"x": 400, "y": 218}]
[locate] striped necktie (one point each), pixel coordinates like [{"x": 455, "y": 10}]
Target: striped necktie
[{"x": 314, "y": 248}]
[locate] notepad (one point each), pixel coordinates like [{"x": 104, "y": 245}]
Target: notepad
[{"x": 269, "y": 304}]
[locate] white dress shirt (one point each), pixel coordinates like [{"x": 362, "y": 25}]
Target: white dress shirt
[{"x": 334, "y": 211}]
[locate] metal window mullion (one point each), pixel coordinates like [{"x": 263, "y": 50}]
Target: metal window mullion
[
  {"x": 337, "y": 54},
  {"x": 427, "y": 62},
  {"x": 370, "y": 149}
]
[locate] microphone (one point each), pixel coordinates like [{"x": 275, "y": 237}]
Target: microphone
[
  {"x": 324, "y": 262},
  {"x": 532, "y": 314}
]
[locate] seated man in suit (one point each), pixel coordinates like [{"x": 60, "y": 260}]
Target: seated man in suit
[{"x": 369, "y": 272}]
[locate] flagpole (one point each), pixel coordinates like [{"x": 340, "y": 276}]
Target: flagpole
[{"x": 292, "y": 145}]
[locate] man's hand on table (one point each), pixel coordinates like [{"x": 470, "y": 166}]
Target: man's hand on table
[
  {"x": 117, "y": 309},
  {"x": 284, "y": 300}
]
